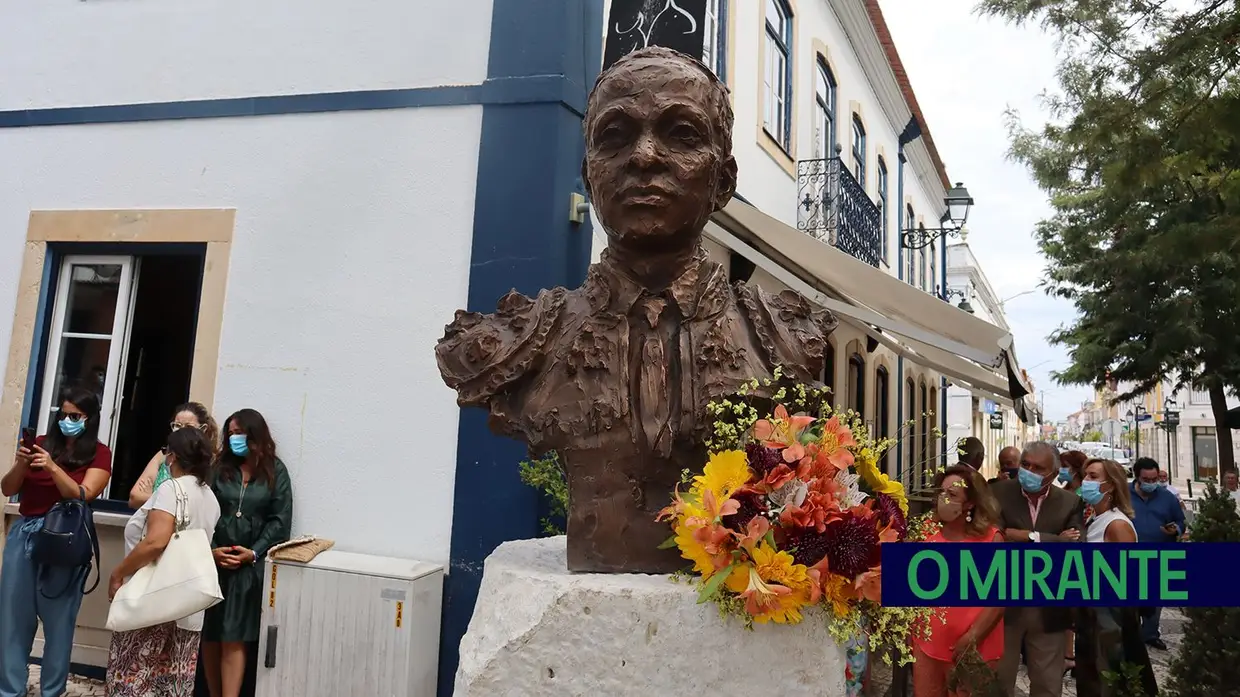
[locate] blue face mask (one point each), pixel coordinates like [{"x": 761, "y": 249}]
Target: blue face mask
[
  {"x": 1065, "y": 475},
  {"x": 72, "y": 429},
  {"x": 1091, "y": 492},
  {"x": 239, "y": 444},
  {"x": 1029, "y": 481},
  {"x": 1149, "y": 487}
]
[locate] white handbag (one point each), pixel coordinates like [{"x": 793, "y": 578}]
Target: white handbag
[{"x": 181, "y": 583}]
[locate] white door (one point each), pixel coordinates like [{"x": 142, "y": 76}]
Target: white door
[{"x": 89, "y": 333}]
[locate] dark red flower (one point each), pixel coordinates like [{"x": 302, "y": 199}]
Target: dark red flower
[
  {"x": 852, "y": 545},
  {"x": 763, "y": 459},
  {"x": 752, "y": 504},
  {"x": 808, "y": 548},
  {"x": 890, "y": 515}
]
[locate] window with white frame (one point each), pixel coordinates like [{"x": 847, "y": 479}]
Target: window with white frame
[
  {"x": 824, "y": 123},
  {"x": 921, "y": 253},
  {"x": 882, "y": 200},
  {"x": 934, "y": 279},
  {"x": 778, "y": 112},
  {"x": 1205, "y": 453},
  {"x": 1199, "y": 396},
  {"x": 715, "y": 37},
  {"x": 858, "y": 150}
]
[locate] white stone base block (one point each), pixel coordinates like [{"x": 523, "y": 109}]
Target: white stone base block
[{"x": 539, "y": 630}]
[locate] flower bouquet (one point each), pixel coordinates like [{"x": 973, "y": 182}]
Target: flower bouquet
[{"x": 790, "y": 512}]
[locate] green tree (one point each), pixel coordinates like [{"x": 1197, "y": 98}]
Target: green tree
[
  {"x": 1140, "y": 162},
  {"x": 1207, "y": 662}
]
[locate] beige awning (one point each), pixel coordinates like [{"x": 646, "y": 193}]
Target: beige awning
[{"x": 915, "y": 324}]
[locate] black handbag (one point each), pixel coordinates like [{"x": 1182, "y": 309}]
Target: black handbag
[{"x": 67, "y": 540}]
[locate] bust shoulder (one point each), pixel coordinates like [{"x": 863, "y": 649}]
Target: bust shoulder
[
  {"x": 481, "y": 355},
  {"x": 791, "y": 330}
]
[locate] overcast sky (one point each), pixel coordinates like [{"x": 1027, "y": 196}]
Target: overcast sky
[{"x": 966, "y": 72}]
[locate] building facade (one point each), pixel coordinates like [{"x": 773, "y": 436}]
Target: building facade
[
  {"x": 991, "y": 419},
  {"x": 1186, "y": 445},
  {"x": 280, "y": 206}
]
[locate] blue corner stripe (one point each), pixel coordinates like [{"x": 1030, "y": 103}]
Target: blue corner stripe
[
  {"x": 527, "y": 89},
  {"x": 529, "y": 164}
]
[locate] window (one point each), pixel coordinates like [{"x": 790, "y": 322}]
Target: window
[
  {"x": 856, "y": 384},
  {"x": 824, "y": 123},
  {"x": 923, "y": 428},
  {"x": 910, "y": 273},
  {"x": 883, "y": 411},
  {"x": 778, "y": 112},
  {"x": 932, "y": 409},
  {"x": 1205, "y": 453},
  {"x": 715, "y": 37},
  {"x": 1199, "y": 396},
  {"x": 933, "y": 281},
  {"x": 858, "y": 150},
  {"x": 882, "y": 200},
  {"x": 910, "y": 458}
]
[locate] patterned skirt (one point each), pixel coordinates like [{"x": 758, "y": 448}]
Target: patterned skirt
[{"x": 154, "y": 662}]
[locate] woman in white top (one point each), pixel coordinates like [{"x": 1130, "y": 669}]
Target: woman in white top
[
  {"x": 1116, "y": 631},
  {"x": 162, "y": 660}
]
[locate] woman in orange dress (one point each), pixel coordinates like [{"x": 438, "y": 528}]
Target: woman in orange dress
[{"x": 966, "y": 512}]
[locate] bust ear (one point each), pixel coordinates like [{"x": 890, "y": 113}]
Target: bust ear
[
  {"x": 726, "y": 186},
  {"x": 585, "y": 177}
]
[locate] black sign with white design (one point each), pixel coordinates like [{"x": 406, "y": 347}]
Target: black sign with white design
[
  {"x": 996, "y": 421},
  {"x": 635, "y": 24}
]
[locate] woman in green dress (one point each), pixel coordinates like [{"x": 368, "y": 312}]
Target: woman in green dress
[
  {"x": 189, "y": 415},
  {"x": 256, "y": 513}
]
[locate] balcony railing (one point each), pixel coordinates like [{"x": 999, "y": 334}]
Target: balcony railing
[{"x": 833, "y": 207}]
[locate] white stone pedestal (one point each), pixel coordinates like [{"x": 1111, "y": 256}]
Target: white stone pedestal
[{"x": 539, "y": 630}]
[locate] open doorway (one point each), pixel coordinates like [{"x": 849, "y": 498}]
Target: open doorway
[{"x": 125, "y": 324}]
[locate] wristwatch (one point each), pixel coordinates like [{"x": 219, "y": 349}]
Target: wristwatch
[{"x": 1035, "y": 537}]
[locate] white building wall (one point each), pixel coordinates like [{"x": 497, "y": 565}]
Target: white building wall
[
  {"x": 352, "y": 244},
  {"x": 59, "y": 53}
]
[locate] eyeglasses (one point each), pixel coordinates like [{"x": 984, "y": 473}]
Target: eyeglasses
[
  {"x": 72, "y": 417},
  {"x": 177, "y": 426}
]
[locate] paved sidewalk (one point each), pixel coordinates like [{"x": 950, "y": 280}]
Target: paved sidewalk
[
  {"x": 78, "y": 686},
  {"x": 1172, "y": 626}
]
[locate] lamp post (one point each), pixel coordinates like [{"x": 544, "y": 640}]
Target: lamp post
[
  {"x": 964, "y": 298},
  {"x": 1171, "y": 424},
  {"x": 1135, "y": 416},
  {"x": 958, "y": 203}
]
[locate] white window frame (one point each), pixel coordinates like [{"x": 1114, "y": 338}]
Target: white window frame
[
  {"x": 714, "y": 38},
  {"x": 777, "y": 114},
  {"x": 118, "y": 341},
  {"x": 858, "y": 150},
  {"x": 824, "y": 100}
]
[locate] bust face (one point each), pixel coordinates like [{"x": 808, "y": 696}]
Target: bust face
[{"x": 655, "y": 161}]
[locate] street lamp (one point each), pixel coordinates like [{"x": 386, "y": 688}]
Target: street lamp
[
  {"x": 1135, "y": 418},
  {"x": 964, "y": 298},
  {"x": 958, "y": 202}
]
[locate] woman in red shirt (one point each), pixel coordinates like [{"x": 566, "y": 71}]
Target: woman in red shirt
[
  {"x": 966, "y": 512},
  {"x": 69, "y": 458}
]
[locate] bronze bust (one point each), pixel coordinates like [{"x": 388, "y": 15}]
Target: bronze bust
[{"x": 615, "y": 375}]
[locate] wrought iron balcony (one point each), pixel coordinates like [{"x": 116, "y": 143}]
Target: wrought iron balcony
[{"x": 833, "y": 207}]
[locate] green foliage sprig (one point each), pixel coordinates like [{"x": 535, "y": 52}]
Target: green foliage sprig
[{"x": 546, "y": 474}]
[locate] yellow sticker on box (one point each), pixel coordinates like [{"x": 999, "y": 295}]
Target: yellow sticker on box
[{"x": 400, "y": 608}]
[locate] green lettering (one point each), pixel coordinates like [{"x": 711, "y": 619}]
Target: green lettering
[
  {"x": 970, "y": 577},
  {"x": 1015, "y": 577},
  {"x": 915, "y": 586},
  {"x": 1038, "y": 576},
  {"x": 1102, "y": 567},
  {"x": 1143, "y": 558},
  {"x": 1072, "y": 576},
  {"x": 1166, "y": 575}
]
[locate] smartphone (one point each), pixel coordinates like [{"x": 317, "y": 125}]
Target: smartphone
[{"x": 28, "y": 438}]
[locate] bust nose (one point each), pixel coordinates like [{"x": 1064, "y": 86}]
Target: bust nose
[{"x": 646, "y": 152}]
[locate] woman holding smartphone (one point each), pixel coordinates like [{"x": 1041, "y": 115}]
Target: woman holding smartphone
[
  {"x": 188, "y": 415},
  {"x": 256, "y": 509},
  {"x": 59, "y": 466}
]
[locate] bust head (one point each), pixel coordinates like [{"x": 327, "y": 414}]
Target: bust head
[{"x": 658, "y": 150}]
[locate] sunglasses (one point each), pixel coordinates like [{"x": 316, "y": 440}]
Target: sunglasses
[
  {"x": 73, "y": 418},
  {"x": 174, "y": 426}
]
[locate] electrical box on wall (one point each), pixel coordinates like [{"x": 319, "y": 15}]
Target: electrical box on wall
[{"x": 350, "y": 624}]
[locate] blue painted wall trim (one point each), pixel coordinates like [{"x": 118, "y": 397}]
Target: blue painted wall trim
[
  {"x": 900, "y": 274},
  {"x": 535, "y": 88},
  {"x": 529, "y": 163}
]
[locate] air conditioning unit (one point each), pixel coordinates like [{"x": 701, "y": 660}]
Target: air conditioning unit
[{"x": 350, "y": 624}]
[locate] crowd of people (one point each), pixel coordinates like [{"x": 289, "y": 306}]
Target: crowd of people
[
  {"x": 1042, "y": 496},
  {"x": 230, "y": 483}
]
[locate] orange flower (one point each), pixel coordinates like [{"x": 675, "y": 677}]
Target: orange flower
[
  {"x": 779, "y": 476},
  {"x": 754, "y": 532},
  {"x": 870, "y": 585},
  {"x": 815, "y": 513},
  {"x": 774, "y": 587},
  {"x": 705, "y": 562},
  {"x": 783, "y": 433},
  {"x": 832, "y": 453}
]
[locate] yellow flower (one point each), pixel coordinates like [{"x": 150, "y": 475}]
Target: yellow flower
[
  {"x": 837, "y": 593},
  {"x": 694, "y": 550},
  {"x": 774, "y": 587},
  {"x": 724, "y": 474},
  {"x": 866, "y": 466}
]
